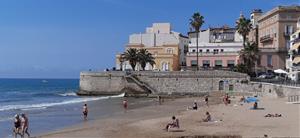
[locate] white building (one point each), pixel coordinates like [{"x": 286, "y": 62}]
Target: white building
[
  {"x": 293, "y": 62},
  {"x": 217, "y": 47},
  {"x": 160, "y": 34}
]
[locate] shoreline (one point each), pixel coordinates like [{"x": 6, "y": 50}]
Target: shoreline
[{"x": 231, "y": 120}]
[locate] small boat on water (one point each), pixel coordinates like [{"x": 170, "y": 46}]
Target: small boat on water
[{"x": 44, "y": 81}]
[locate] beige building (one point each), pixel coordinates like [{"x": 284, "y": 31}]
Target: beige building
[
  {"x": 166, "y": 46},
  {"x": 273, "y": 30}
]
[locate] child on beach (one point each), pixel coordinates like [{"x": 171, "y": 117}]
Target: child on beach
[{"x": 85, "y": 111}]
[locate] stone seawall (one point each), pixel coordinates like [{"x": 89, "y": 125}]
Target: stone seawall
[
  {"x": 179, "y": 83},
  {"x": 200, "y": 82}
]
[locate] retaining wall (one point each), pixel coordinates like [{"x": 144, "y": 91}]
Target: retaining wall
[{"x": 182, "y": 83}]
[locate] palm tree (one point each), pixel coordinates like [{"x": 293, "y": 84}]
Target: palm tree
[
  {"x": 196, "y": 22},
  {"x": 243, "y": 27},
  {"x": 249, "y": 56},
  {"x": 145, "y": 57},
  {"x": 131, "y": 55}
]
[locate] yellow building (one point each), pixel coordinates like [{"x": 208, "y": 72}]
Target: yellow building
[
  {"x": 166, "y": 46},
  {"x": 166, "y": 58}
]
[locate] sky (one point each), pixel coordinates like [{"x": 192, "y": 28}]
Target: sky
[{"x": 60, "y": 38}]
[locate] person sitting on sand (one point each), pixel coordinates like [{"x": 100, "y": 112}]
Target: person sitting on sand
[
  {"x": 243, "y": 99},
  {"x": 195, "y": 107},
  {"x": 273, "y": 115},
  {"x": 17, "y": 126},
  {"x": 85, "y": 111},
  {"x": 226, "y": 99},
  {"x": 208, "y": 117},
  {"x": 172, "y": 124},
  {"x": 255, "y": 106}
]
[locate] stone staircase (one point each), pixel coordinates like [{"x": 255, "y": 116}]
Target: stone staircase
[{"x": 141, "y": 84}]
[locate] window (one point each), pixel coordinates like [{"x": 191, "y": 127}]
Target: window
[
  {"x": 206, "y": 63},
  {"x": 218, "y": 63},
  {"x": 194, "y": 63},
  {"x": 222, "y": 50},
  {"x": 207, "y": 50},
  {"x": 216, "y": 51},
  {"x": 288, "y": 30},
  {"x": 269, "y": 60},
  {"x": 170, "y": 51},
  {"x": 194, "y": 50},
  {"x": 287, "y": 44},
  {"x": 258, "y": 60},
  {"x": 200, "y": 50},
  {"x": 230, "y": 63}
]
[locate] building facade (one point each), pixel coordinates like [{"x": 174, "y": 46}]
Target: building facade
[
  {"x": 273, "y": 35},
  {"x": 293, "y": 60},
  {"x": 166, "y": 46},
  {"x": 218, "y": 48}
]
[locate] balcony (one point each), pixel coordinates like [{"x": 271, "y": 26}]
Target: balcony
[
  {"x": 297, "y": 40},
  {"x": 287, "y": 34},
  {"x": 266, "y": 38},
  {"x": 212, "y": 53}
]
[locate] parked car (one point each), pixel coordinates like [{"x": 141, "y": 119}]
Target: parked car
[{"x": 268, "y": 75}]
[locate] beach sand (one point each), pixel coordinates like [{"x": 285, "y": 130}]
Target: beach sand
[{"x": 233, "y": 119}]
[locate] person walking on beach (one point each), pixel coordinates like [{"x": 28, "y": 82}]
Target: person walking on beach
[
  {"x": 24, "y": 125},
  {"x": 125, "y": 105},
  {"x": 159, "y": 99},
  {"x": 85, "y": 111},
  {"x": 206, "y": 100},
  {"x": 17, "y": 126}
]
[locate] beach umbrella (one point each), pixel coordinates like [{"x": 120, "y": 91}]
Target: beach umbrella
[{"x": 251, "y": 99}]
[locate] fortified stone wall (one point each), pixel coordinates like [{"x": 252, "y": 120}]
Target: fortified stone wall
[
  {"x": 107, "y": 83},
  {"x": 182, "y": 83},
  {"x": 94, "y": 83}
]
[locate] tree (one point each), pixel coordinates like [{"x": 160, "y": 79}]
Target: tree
[
  {"x": 241, "y": 68},
  {"x": 243, "y": 27},
  {"x": 131, "y": 55},
  {"x": 145, "y": 57},
  {"x": 196, "y": 22},
  {"x": 249, "y": 56}
]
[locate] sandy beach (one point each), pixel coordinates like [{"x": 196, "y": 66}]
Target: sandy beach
[{"x": 234, "y": 119}]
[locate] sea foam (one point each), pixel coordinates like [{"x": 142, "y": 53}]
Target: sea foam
[{"x": 45, "y": 105}]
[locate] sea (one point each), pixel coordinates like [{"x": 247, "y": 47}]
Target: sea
[{"x": 52, "y": 104}]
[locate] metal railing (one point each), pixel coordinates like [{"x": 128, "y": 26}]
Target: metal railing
[
  {"x": 294, "y": 98},
  {"x": 277, "y": 81}
]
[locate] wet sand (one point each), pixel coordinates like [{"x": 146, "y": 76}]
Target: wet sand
[{"x": 234, "y": 119}]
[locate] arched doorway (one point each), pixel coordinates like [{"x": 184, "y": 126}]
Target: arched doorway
[{"x": 221, "y": 85}]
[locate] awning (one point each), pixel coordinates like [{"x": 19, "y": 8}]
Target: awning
[
  {"x": 280, "y": 71},
  {"x": 296, "y": 60},
  {"x": 295, "y": 46}
]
